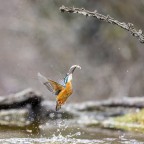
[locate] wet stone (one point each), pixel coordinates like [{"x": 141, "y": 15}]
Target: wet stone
[
  {"x": 20, "y": 109},
  {"x": 15, "y": 117}
]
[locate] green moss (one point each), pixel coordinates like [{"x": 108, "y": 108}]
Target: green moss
[
  {"x": 137, "y": 118},
  {"x": 132, "y": 122}
]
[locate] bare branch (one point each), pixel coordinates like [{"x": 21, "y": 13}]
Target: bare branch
[{"x": 126, "y": 26}]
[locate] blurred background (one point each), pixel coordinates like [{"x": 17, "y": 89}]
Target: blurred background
[{"x": 36, "y": 37}]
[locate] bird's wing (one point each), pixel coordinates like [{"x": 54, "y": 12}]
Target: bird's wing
[
  {"x": 64, "y": 80},
  {"x": 61, "y": 82},
  {"x": 51, "y": 85},
  {"x": 57, "y": 88}
]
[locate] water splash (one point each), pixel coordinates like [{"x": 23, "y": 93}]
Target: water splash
[
  {"x": 63, "y": 140},
  {"x": 62, "y": 127},
  {"x": 64, "y": 133},
  {"x": 50, "y": 141},
  {"x": 59, "y": 139}
]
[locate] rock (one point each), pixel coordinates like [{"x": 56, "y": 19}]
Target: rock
[
  {"x": 15, "y": 117},
  {"x": 48, "y": 111},
  {"x": 20, "y": 99},
  {"x": 28, "y": 110},
  {"x": 133, "y": 121},
  {"x": 20, "y": 109}
]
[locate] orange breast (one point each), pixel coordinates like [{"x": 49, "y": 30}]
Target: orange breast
[{"x": 65, "y": 93}]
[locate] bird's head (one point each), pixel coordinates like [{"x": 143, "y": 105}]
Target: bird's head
[{"x": 68, "y": 77}]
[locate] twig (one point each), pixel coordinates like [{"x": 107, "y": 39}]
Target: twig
[{"x": 127, "y": 26}]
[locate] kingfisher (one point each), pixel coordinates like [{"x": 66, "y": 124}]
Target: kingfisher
[{"x": 62, "y": 89}]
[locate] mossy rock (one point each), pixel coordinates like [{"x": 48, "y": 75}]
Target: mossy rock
[{"x": 130, "y": 122}]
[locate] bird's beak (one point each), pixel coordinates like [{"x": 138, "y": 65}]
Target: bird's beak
[{"x": 72, "y": 68}]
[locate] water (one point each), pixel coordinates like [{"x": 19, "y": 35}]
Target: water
[
  {"x": 62, "y": 132},
  {"x": 99, "y": 138}
]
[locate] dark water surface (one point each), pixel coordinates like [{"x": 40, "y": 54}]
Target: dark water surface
[{"x": 62, "y": 133}]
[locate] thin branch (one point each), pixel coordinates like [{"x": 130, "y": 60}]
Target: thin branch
[{"x": 126, "y": 26}]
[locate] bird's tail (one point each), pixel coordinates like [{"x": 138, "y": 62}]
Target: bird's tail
[{"x": 58, "y": 106}]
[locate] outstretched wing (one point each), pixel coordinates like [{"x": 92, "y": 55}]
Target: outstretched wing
[
  {"x": 62, "y": 82},
  {"x": 51, "y": 85}
]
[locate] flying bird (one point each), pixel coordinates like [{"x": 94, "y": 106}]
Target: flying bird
[{"x": 63, "y": 89}]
